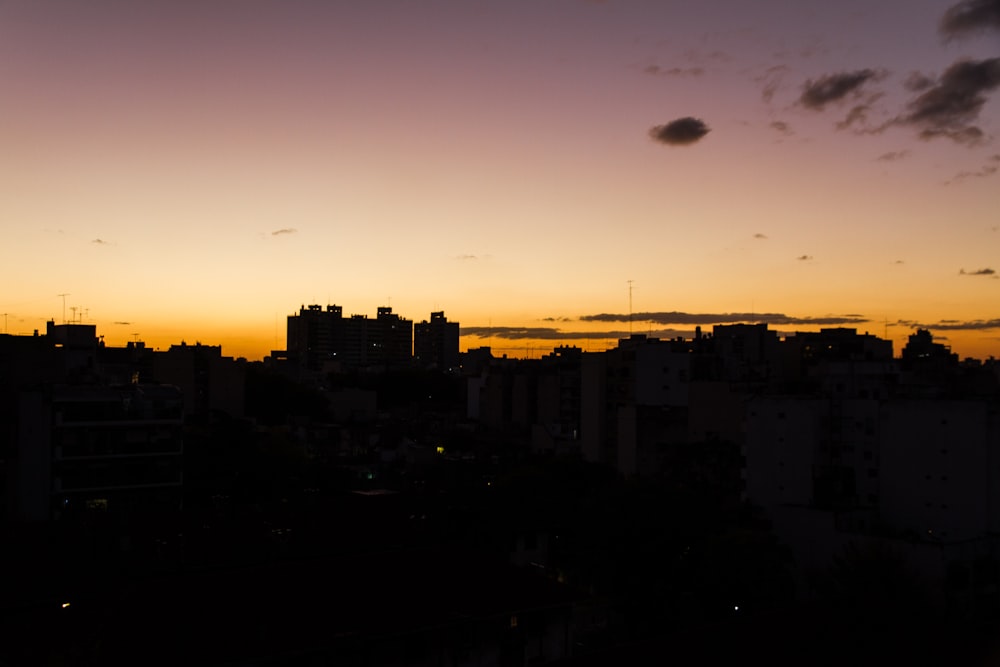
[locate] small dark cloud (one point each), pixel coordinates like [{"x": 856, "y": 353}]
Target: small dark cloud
[
  {"x": 466, "y": 257},
  {"x": 899, "y": 261},
  {"x": 951, "y": 106},
  {"x": 691, "y": 319},
  {"x": 977, "y": 272},
  {"x": 781, "y": 126},
  {"x": 286, "y": 230},
  {"x": 656, "y": 70},
  {"x": 893, "y": 156},
  {"x": 916, "y": 82},
  {"x": 760, "y": 236},
  {"x": 834, "y": 87},
  {"x": 100, "y": 242},
  {"x": 970, "y": 16},
  {"x": 804, "y": 258},
  {"x": 128, "y": 324},
  {"x": 680, "y": 132},
  {"x": 557, "y": 319}
]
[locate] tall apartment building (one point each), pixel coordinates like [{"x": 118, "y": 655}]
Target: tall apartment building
[
  {"x": 435, "y": 343},
  {"x": 319, "y": 338}
]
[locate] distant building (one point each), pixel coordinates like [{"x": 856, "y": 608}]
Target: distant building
[
  {"x": 435, "y": 343},
  {"x": 321, "y": 339}
]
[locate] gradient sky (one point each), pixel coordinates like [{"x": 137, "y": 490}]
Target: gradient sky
[{"x": 200, "y": 170}]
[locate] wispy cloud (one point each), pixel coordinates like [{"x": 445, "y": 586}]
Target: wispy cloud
[
  {"x": 285, "y": 231},
  {"x": 916, "y": 82},
  {"x": 680, "y": 132},
  {"x": 690, "y": 319},
  {"x": 893, "y": 156},
  {"x": 656, "y": 70},
  {"x": 758, "y": 235},
  {"x": 100, "y": 242},
  {"x": 977, "y": 272},
  {"x": 818, "y": 93},
  {"x": 804, "y": 258},
  {"x": 127, "y": 324},
  {"x": 782, "y": 127},
  {"x": 539, "y": 333},
  {"x": 970, "y": 16},
  {"x": 951, "y": 106},
  {"x": 466, "y": 257},
  {"x": 953, "y": 325}
]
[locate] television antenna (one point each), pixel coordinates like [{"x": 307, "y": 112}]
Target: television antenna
[{"x": 64, "y": 295}]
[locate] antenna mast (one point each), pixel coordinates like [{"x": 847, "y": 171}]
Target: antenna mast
[
  {"x": 64, "y": 295},
  {"x": 630, "y": 307}
]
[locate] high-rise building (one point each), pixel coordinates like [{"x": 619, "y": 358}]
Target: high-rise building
[
  {"x": 319, "y": 338},
  {"x": 435, "y": 343}
]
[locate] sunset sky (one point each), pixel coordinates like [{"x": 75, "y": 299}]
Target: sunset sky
[{"x": 200, "y": 170}]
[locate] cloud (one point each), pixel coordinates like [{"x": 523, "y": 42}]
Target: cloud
[
  {"x": 556, "y": 319},
  {"x": 834, "y": 87},
  {"x": 893, "y": 156},
  {"x": 770, "y": 82},
  {"x": 760, "y": 236},
  {"x": 954, "y": 325},
  {"x": 970, "y": 16},
  {"x": 128, "y": 324},
  {"x": 680, "y": 132},
  {"x": 465, "y": 257},
  {"x": 917, "y": 82},
  {"x": 983, "y": 172},
  {"x": 539, "y": 333},
  {"x": 656, "y": 70},
  {"x": 286, "y": 230},
  {"x": 781, "y": 126},
  {"x": 690, "y": 319},
  {"x": 977, "y": 272},
  {"x": 100, "y": 242},
  {"x": 951, "y": 106},
  {"x": 899, "y": 261},
  {"x": 858, "y": 115},
  {"x": 804, "y": 258}
]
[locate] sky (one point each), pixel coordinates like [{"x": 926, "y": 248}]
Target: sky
[{"x": 546, "y": 172}]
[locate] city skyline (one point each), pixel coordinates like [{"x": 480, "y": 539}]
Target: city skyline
[{"x": 545, "y": 174}]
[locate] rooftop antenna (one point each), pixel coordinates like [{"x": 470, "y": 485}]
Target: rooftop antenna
[
  {"x": 630, "y": 307},
  {"x": 73, "y": 308},
  {"x": 64, "y": 295}
]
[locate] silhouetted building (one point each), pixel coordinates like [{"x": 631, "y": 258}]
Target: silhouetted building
[
  {"x": 208, "y": 381},
  {"x": 320, "y": 340},
  {"x": 435, "y": 343},
  {"x": 634, "y": 401},
  {"x": 88, "y": 448}
]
